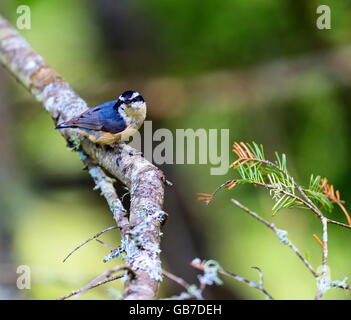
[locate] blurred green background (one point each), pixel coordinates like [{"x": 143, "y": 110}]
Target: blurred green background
[{"x": 260, "y": 68}]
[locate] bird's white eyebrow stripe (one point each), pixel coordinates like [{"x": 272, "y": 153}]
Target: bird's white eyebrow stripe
[{"x": 135, "y": 94}]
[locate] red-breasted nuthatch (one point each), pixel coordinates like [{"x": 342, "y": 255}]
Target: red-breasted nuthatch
[{"x": 112, "y": 121}]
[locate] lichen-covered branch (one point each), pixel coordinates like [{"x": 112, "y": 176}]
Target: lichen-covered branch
[
  {"x": 324, "y": 283},
  {"x": 144, "y": 180},
  {"x": 281, "y": 234},
  {"x": 322, "y": 280},
  {"x": 211, "y": 268}
]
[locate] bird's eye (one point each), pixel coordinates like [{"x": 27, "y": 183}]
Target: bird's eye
[
  {"x": 118, "y": 103},
  {"x": 138, "y": 98}
]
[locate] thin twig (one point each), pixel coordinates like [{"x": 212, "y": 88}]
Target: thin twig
[
  {"x": 199, "y": 265},
  {"x": 91, "y": 286},
  {"x": 248, "y": 282},
  {"x": 105, "y": 244},
  {"x": 176, "y": 279},
  {"x": 88, "y": 240},
  {"x": 97, "y": 282},
  {"x": 281, "y": 234},
  {"x": 339, "y": 223},
  {"x": 209, "y": 197},
  {"x": 261, "y": 275}
]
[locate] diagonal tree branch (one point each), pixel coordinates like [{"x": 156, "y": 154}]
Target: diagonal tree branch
[
  {"x": 144, "y": 180},
  {"x": 281, "y": 234}
]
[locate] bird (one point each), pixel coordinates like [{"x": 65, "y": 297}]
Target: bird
[{"x": 110, "y": 122}]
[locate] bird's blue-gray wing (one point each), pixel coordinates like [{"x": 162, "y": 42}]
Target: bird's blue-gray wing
[{"x": 103, "y": 117}]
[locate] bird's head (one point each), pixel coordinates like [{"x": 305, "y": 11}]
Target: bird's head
[
  {"x": 131, "y": 101},
  {"x": 132, "y": 107}
]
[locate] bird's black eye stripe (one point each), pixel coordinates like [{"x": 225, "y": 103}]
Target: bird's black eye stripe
[
  {"x": 118, "y": 103},
  {"x": 138, "y": 98}
]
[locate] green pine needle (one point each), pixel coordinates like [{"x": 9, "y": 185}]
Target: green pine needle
[{"x": 275, "y": 176}]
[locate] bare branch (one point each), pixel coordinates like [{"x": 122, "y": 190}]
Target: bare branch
[
  {"x": 324, "y": 283},
  {"x": 97, "y": 282},
  {"x": 88, "y": 240},
  {"x": 193, "y": 291},
  {"x": 339, "y": 223},
  {"x": 322, "y": 280},
  {"x": 281, "y": 234},
  {"x": 201, "y": 266},
  {"x": 105, "y": 244},
  {"x": 176, "y": 279}
]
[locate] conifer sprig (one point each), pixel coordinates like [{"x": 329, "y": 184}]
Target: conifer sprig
[{"x": 253, "y": 168}]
